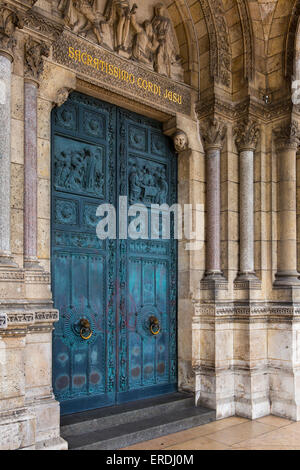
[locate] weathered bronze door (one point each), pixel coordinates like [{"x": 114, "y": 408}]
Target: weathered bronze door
[{"x": 116, "y": 338}]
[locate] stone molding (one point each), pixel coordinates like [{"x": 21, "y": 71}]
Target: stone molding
[
  {"x": 236, "y": 311},
  {"x": 246, "y": 135},
  {"x": 287, "y": 136},
  {"x": 251, "y": 106},
  {"x": 220, "y": 53},
  {"x": 14, "y": 319},
  {"x": 213, "y": 133}
]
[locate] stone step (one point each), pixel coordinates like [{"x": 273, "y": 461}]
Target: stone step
[
  {"x": 88, "y": 421},
  {"x": 130, "y": 424}
]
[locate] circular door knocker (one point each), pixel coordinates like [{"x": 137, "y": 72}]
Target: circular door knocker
[
  {"x": 85, "y": 329},
  {"x": 154, "y": 325}
]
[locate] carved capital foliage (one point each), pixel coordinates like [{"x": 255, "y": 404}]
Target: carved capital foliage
[
  {"x": 213, "y": 133},
  {"x": 246, "y": 135},
  {"x": 287, "y": 136},
  {"x": 34, "y": 58},
  {"x": 181, "y": 141},
  {"x": 10, "y": 20}
]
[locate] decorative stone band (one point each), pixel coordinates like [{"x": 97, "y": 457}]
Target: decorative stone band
[
  {"x": 237, "y": 311},
  {"x": 12, "y": 320}
]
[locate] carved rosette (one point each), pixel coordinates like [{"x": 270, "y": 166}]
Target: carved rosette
[
  {"x": 34, "y": 58},
  {"x": 287, "y": 136},
  {"x": 213, "y": 133},
  {"x": 246, "y": 135},
  {"x": 10, "y": 20},
  {"x": 181, "y": 141}
]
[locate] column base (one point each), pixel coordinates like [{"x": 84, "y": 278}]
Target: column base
[
  {"x": 7, "y": 261},
  {"x": 247, "y": 281},
  {"x": 17, "y": 430},
  {"x": 286, "y": 279},
  {"x": 214, "y": 280},
  {"x": 32, "y": 264}
]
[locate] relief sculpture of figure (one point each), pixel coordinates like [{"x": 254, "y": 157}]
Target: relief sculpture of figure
[
  {"x": 144, "y": 43},
  {"x": 83, "y": 16},
  {"x": 166, "y": 55},
  {"x": 118, "y": 14},
  {"x": 134, "y": 185}
]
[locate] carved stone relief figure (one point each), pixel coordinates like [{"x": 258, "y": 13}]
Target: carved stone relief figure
[
  {"x": 151, "y": 42},
  {"x": 118, "y": 14},
  {"x": 144, "y": 43},
  {"x": 83, "y": 17},
  {"x": 10, "y": 19},
  {"x": 166, "y": 55}
]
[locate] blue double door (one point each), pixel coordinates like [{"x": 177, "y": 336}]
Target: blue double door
[{"x": 116, "y": 340}]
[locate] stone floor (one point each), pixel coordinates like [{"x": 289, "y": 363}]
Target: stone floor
[{"x": 269, "y": 433}]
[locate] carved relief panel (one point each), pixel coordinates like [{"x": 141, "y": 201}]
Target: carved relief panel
[{"x": 120, "y": 26}]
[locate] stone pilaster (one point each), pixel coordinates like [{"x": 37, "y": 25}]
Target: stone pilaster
[
  {"x": 246, "y": 137},
  {"x": 34, "y": 53},
  {"x": 287, "y": 140},
  {"x": 213, "y": 134}
]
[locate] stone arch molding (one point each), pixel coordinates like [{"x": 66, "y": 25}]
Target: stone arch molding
[{"x": 138, "y": 31}]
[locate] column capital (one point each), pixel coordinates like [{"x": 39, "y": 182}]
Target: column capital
[
  {"x": 287, "y": 136},
  {"x": 213, "y": 133},
  {"x": 10, "y": 20},
  {"x": 246, "y": 134},
  {"x": 34, "y": 53}
]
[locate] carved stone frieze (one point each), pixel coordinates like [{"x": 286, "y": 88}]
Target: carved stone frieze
[
  {"x": 216, "y": 105},
  {"x": 116, "y": 27},
  {"x": 237, "y": 311},
  {"x": 246, "y": 135},
  {"x": 287, "y": 136},
  {"x": 213, "y": 133},
  {"x": 38, "y": 23},
  {"x": 10, "y": 20},
  {"x": 34, "y": 58}
]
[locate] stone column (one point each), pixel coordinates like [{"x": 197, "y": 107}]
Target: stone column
[
  {"x": 34, "y": 52},
  {"x": 213, "y": 136},
  {"x": 10, "y": 19},
  {"x": 247, "y": 135},
  {"x": 5, "y": 143},
  {"x": 287, "y": 140}
]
